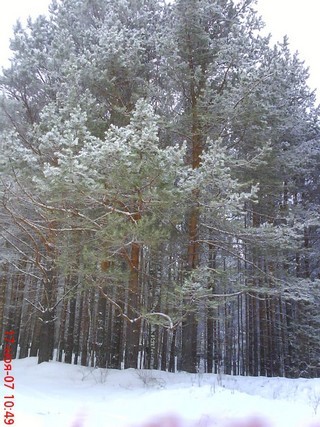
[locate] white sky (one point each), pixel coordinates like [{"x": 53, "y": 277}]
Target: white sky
[
  {"x": 299, "y": 19},
  {"x": 11, "y": 10}
]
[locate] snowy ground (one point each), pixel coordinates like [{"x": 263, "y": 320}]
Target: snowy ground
[{"x": 61, "y": 395}]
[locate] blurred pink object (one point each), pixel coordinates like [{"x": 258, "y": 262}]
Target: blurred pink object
[
  {"x": 173, "y": 421},
  {"x": 168, "y": 421}
]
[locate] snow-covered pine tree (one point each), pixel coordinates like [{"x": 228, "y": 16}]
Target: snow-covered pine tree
[{"x": 107, "y": 219}]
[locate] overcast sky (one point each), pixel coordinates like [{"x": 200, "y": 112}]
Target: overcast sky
[
  {"x": 299, "y": 19},
  {"x": 11, "y": 10}
]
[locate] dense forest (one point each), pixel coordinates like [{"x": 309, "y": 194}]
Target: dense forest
[{"x": 159, "y": 202}]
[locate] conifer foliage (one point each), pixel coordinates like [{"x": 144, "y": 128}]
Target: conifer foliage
[{"x": 159, "y": 190}]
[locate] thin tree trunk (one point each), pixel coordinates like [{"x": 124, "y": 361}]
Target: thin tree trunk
[
  {"x": 100, "y": 342},
  {"x": 133, "y": 328},
  {"x": 3, "y": 285},
  {"x": 70, "y": 333},
  {"x": 172, "y": 352},
  {"x": 78, "y": 331},
  {"x": 85, "y": 322}
]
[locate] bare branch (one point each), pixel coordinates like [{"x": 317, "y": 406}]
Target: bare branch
[
  {"x": 117, "y": 306},
  {"x": 40, "y": 309},
  {"x": 64, "y": 295},
  {"x": 161, "y": 315}
]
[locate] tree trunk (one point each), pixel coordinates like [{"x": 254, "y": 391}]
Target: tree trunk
[
  {"x": 4, "y": 280},
  {"x": 172, "y": 352},
  {"x": 70, "y": 333},
  {"x": 85, "y": 321},
  {"x": 78, "y": 331},
  {"x": 46, "y": 336},
  {"x": 133, "y": 328},
  {"x": 100, "y": 344}
]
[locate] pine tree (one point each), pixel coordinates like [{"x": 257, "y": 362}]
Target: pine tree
[{"x": 159, "y": 191}]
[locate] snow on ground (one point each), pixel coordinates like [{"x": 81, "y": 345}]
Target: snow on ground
[{"x": 62, "y": 395}]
